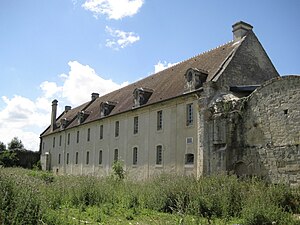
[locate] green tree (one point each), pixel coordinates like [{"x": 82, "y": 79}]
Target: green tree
[
  {"x": 2, "y": 146},
  {"x": 15, "y": 144},
  {"x": 8, "y": 159}
]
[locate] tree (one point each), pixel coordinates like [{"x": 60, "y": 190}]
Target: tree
[
  {"x": 2, "y": 146},
  {"x": 15, "y": 144}
]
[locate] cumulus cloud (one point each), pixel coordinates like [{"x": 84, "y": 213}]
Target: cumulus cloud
[
  {"x": 82, "y": 80},
  {"x": 27, "y": 118},
  {"x": 113, "y": 9},
  {"x": 120, "y": 39},
  {"x": 162, "y": 65}
]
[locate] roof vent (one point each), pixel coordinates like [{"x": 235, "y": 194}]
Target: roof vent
[{"x": 240, "y": 29}]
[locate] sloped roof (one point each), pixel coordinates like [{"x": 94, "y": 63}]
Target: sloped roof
[{"x": 165, "y": 84}]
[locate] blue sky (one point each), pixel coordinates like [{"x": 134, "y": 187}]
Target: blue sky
[{"x": 67, "y": 49}]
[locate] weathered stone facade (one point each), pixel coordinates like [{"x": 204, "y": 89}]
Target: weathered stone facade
[{"x": 258, "y": 134}]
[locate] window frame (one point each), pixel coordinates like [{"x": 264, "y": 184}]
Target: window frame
[
  {"x": 135, "y": 125},
  {"x": 159, "y": 155},
  {"x": 159, "y": 118},
  {"x": 187, "y": 159},
  {"x": 87, "y": 160},
  {"x": 117, "y": 128},
  {"x": 189, "y": 114},
  {"x": 68, "y": 158},
  {"x": 76, "y": 158},
  {"x": 100, "y": 157},
  {"x": 88, "y": 134},
  {"x": 101, "y": 132},
  {"x": 134, "y": 156},
  {"x": 116, "y": 155}
]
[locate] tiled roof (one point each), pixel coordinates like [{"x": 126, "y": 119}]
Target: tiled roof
[{"x": 165, "y": 84}]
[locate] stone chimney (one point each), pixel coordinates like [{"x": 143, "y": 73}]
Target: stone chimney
[
  {"x": 94, "y": 96},
  {"x": 53, "y": 114},
  {"x": 67, "y": 108},
  {"x": 240, "y": 29}
]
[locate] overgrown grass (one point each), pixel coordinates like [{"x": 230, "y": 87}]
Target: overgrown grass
[{"x": 35, "y": 197}]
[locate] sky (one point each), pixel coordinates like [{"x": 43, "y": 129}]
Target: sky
[{"x": 68, "y": 49}]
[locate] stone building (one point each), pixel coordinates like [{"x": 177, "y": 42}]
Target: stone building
[{"x": 225, "y": 110}]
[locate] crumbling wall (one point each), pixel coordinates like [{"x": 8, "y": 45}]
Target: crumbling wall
[{"x": 261, "y": 132}]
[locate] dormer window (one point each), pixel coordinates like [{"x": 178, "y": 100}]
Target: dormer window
[
  {"x": 106, "y": 108},
  {"x": 81, "y": 116},
  {"x": 63, "y": 123},
  {"x": 141, "y": 96},
  {"x": 194, "y": 79}
]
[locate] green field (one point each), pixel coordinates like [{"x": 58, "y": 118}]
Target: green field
[{"x": 35, "y": 197}]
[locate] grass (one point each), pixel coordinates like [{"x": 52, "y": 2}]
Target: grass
[{"x": 36, "y": 197}]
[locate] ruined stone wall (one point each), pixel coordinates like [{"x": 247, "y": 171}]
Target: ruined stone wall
[
  {"x": 259, "y": 134},
  {"x": 271, "y": 131}
]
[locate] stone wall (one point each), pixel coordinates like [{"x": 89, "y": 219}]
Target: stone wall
[{"x": 259, "y": 134}]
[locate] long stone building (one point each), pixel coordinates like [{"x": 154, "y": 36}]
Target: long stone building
[{"x": 225, "y": 110}]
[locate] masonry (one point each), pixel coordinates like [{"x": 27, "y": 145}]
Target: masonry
[{"x": 226, "y": 110}]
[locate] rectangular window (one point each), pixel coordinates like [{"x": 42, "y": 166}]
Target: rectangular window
[
  {"x": 58, "y": 158},
  {"x": 100, "y": 157},
  {"x": 88, "y": 134},
  {"x": 189, "y": 114},
  {"x": 189, "y": 140},
  {"x": 101, "y": 132},
  {"x": 134, "y": 155},
  {"x": 159, "y": 155},
  {"x": 159, "y": 120},
  {"x": 76, "y": 158},
  {"x": 43, "y": 145},
  {"x": 117, "y": 127},
  {"x": 189, "y": 159},
  {"x": 68, "y": 138},
  {"x": 87, "y": 157},
  {"x": 59, "y": 140},
  {"x": 135, "y": 125},
  {"x": 53, "y": 142},
  {"x": 67, "y": 158},
  {"x": 116, "y": 155},
  {"x": 77, "y": 137}
]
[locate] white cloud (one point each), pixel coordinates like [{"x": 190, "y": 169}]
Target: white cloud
[
  {"x": 113, "y": 9},
  {"x": 81, "y": 81},
  {"x": 26, "y": 118},
  {"x": 162, "y": 66},
  {"x": 121, "y": 39}
]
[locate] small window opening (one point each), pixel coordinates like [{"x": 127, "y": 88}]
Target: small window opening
[
  {"x": 285, "y": 111},
  {"x": 189, "y": 159}
]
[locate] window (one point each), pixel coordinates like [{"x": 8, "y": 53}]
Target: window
[
  {"x": 77, "y": 137},
  {"x": 189, "y": 140},
  {"x": 101, "y": 132},
  {"x": 53, "y": 142},
  {"x": 116, "y": 155},
  {"x": 67, "y": 158},
  {"x": 159, "y": 120},
  {"x": 100, "y": 157},
  {"x": 59, "y": 140},
  {"x": 58, "y": 158},
  {"x": 189, "y": 114},
  {"x": 134, "y": 155},
  {"x": 68, "y": 138},
  {"x": 159, "y": 155},
  {"x": 135, "y": 125},
  {"x": 88, "y": 134},
  {"x": 87, "y": 157},
  {"x": 43, "y": 145},
  {"x": 76, "y": 158},
  {"x": 189, "y": 159},
  {"x": 117, "y": 128}
]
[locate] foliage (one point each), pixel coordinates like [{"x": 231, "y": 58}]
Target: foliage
[
  {"x": 15, "y": 144},
  {"x": 37, "y": 197},
  {"x": 8, "y": 159},
  {"x": 2, "y": 146},
  {"x": 119, "y": 172}
]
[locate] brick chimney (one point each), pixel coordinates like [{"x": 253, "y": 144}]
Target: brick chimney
[
  {"x": 240, "y": 29},
  {"x": 94, "y": 96},
  {"x": 53, "y": 114}
]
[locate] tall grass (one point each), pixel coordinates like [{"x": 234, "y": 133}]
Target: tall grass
[{"x": 31, "y": 197}]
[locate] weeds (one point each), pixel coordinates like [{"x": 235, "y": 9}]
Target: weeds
[{"x": 35, "y": 197}]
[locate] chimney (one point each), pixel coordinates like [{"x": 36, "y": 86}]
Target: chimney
[
  {"x": 94, "y": 96},
  {"x": 67, "y": 108},
  {"x": 53, "y": 114},
  {"x": 240, "y": 29}
]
